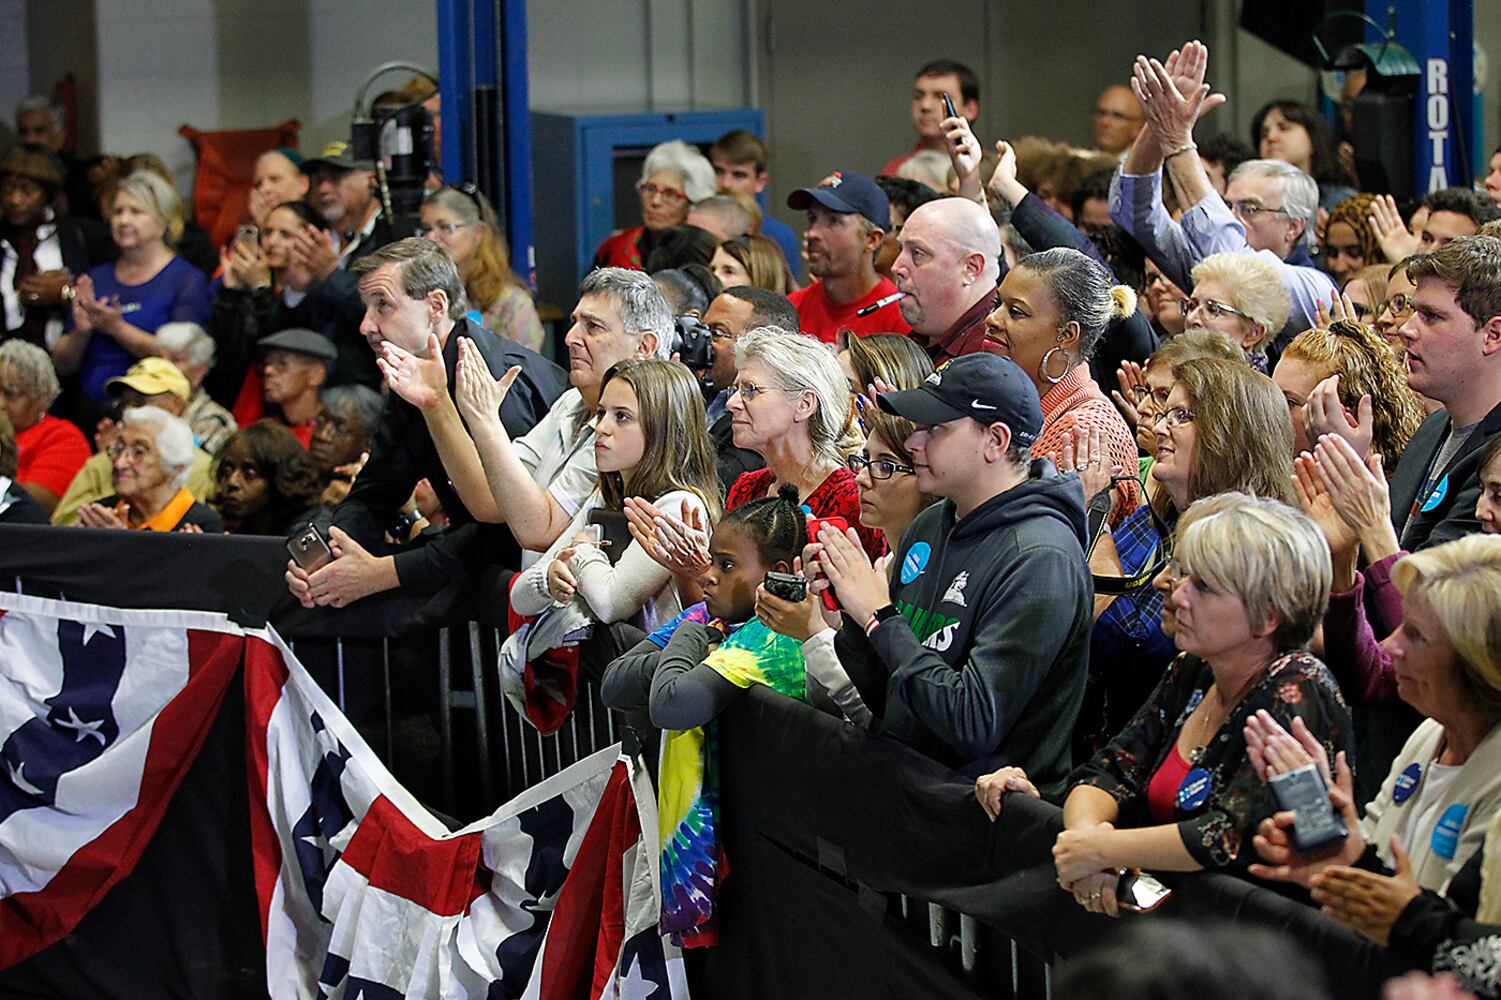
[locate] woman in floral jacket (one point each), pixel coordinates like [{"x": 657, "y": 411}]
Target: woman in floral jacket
[{"x": 1175, "y": 790}]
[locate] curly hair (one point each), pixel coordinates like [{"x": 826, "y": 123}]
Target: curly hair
[
  {"x": 1356, "y": 213},
  {"x": 1366, "y": 366},
  {"x": 285, "y": 465}
]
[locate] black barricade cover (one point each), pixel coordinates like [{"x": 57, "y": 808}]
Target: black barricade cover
[
  {"x": 889, "y": 819},
  {"x": 239, "y": 575}
]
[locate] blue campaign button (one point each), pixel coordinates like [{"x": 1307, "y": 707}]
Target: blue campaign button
[
  {"x": 1195, "y": 789},
  {"x": 1407, "y": 782},
  {"x": 1445, "y": 839},
  {"x": 1437, "y": 496},
  {"x": 916, "y": 561}
]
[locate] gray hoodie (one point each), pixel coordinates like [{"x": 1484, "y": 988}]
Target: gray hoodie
[{"x": 987, "y": 666}]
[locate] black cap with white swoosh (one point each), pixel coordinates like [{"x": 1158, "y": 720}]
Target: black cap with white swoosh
[{"x": 987, "y": 387}]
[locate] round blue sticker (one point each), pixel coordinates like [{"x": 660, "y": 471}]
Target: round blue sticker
[
  {"x": 1445, "y": 839},
  {"x": 916, "y": 561},
  {"x": 1194, "y": 791},
  {"x": 1407, "y": 782},
  {"x": 1437, "y": 496}
]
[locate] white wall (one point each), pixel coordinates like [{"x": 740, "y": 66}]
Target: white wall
[{"x": 218, "y": 64}]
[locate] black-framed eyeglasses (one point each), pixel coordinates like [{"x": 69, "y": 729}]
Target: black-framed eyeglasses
[
  {"x": 1141, "y": 393},
  {"x": 880, "y": 468}
]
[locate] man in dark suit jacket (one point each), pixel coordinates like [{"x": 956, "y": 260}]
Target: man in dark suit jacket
[
  {"x": 734, "y": 312},
  {"x": 1454, "y": 356},
  {"x": 414, "y": 294}
]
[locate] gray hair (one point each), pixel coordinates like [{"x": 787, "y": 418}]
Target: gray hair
[
  {"x": 189, "y": 338},
  {"x": 32, "y": 369},
  {"x": 642, "y": 307},
  {"x": 1271, "y": 556},
  {"x": 358, "y": 401},
  {"x": 695, "y": 170},
  {"x": 801, "y": 364},
  {"x": 174, "y": 439},
  {"x": 1300, "y": 193},
  {"x": 39, "y": 102},
  {"x": 158, "y": 196},
  {"x": 423, "y": 266},
  {"x": 1083, "y": 292}
]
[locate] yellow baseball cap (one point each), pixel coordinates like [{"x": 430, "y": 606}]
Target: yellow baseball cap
[{"x": 152, "y": 377}]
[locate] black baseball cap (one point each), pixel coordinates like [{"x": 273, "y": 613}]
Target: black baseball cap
[
  {"x": 337, "y": 154},
  {"x": 987, "y": 387},
  {"x": 309, "y": 342},
  {"x": 846, "y": 191}
]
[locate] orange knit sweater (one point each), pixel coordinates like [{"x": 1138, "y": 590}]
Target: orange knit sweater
[{"x": 1077, "y": 401}]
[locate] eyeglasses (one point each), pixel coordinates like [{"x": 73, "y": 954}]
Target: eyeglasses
[
  {"x": 1397, "y": 305},
  {"x": 446, "y": 228},
  {"x": 748, "y": 391},
  {"x": 672, "y": 196},
  {"x": 880, "y": 468},
  {"x": 1140, "y": 394},
  {"x": 1212, "y": 308},
  {"x": 136, "y": 453},
  {"x": 1176, "y": 417},
  {"x": 1250, "y": 211}
]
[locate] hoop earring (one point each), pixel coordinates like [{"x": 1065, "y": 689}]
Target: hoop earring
[{"x": 1043, "y": 368}]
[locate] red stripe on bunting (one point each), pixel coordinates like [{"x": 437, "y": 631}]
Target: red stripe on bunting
[
  {"x": 441, "y": 876},
  {"x": 265, "y": 676}
]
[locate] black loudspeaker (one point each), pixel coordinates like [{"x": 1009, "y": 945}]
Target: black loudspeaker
[
  {"x": 1289, "y": 25},
  {"x": 1383, "y": 130}
]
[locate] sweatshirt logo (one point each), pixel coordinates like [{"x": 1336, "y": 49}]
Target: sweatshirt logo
[
  {"x": 955, "y": 593},
  {"x": 933, "y": 630}
]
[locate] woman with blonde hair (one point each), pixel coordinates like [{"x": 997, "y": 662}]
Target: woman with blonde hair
[
  {"x": 895, "y": 360},
  {"x": 1241, "y": 295},
  {"x": 461, "y": 219},
  {"x": 753, "y": 260},
  {"x": 1341, "y": 372},
  {"x": 149, "y": 284},
  {"x": 1366, "y": 291}
]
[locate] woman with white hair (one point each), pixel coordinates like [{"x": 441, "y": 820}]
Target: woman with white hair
[
  {"x": 51, "y": 449},
  {"x": 152, "y": 456},
  {"x": 673, "y": 177},
  {"x": 1242, "y": 296},
  {"x": 1177, "y": 789},
  {"x": 117, "y": 307},
  {"x": 191, "y": 349}
]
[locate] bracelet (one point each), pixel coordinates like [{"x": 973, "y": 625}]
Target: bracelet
[{"x": 1190, "y": 144}]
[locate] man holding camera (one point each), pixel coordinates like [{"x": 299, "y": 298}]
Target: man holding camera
[
  {"x": 415, "y": 307},
  {"x": 975, "y": 649}
]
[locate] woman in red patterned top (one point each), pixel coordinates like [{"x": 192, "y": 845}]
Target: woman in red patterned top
[{"x": 673, "y": 177}]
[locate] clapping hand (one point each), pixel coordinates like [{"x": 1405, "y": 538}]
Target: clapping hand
[
  {"x": 1314, "y": 498},
  {"x": 96, "y": 515},
  {"x": 860, "y": 584},
  {"x": 480, "y": 394},
  {"x": 421, "y": 381},
  {"x": 1084, "y": 451},
  {"x": 1174, "y": 96},
  {"x": 1366, "y": 902},
  {"x": 311, "y": 250},
  {"x": 1324, "y": 414},
  {"x": 91, "y": 313},
  {"x": 1130, "y": 377}
]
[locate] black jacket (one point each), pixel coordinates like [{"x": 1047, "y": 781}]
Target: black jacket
[
  {"x": 729, "y": 460},
  {"x": 17, "y": 507},
  {"x": 988, "y": 665},
  {"x": 242, "y": 316},
  {"x": 402, "y": 452},
  {"x": 1450, "y": 512}
]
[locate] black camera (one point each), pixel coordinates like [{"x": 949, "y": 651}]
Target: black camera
[{"x": 692, "y": 342}]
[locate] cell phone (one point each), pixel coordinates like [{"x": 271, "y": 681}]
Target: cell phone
[
  {"x": 815, "y": 525},
  {"x": 787, "y": 586},
  {"x": 615, "y": 531},
  {"x": 309, "y": 550},
  {"x": 248, "y": 235},
  {"x": 1139, "y": 892},
  {"x": 1303, "y": 793},
  {"x": 948, "y": 106}
]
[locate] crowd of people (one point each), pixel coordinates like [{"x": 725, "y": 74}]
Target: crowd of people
[{"x": 1116, "y": 476}]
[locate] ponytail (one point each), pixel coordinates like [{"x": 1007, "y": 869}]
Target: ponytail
[{"x": 1122, "y": 302}]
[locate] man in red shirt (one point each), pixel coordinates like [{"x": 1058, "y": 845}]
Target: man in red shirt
[
  {"x": 847, "y": 219},
  {"x": 294, "y": 367},
  {"x": 50, "y": 450},
  {"x": 932, "y": 82}
]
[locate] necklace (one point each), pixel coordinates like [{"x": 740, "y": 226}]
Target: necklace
[{"x": 1196, "y": 755}]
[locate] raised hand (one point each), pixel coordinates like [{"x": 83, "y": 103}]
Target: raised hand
[
  {"x": 1173, "y": 95},
  {"x": 420, "y": 381},
  {"x": 1358, "y": 491},
  {"x": 965, "y": 154},
  {"x": 1396, "y": 240},
  {"x": 1003, "y": 183},
  {"x": 480, "y": 394},
  {"x": 1085, "y": 452},
  {"x": 1324, "y": 414},
  {"x": 1313, "y": 497},
  {"x": 1131, "y": 379}
]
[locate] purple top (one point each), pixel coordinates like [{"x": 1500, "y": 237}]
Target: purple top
[
  {"x": 1352, "y": 648},
  {"x": 179, "y": 292}
]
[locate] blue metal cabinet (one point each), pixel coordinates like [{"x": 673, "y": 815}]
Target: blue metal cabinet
[{"x": 582, "y": 167}]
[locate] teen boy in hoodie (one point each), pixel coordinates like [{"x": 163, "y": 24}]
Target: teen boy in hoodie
[{"x": 976, "y": 649}]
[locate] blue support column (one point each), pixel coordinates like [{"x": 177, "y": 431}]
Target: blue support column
[
  {"x": 1440, "y": 35},
  {"x": 455, "y": 35},
  {"x": 517, "y": 115}
]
